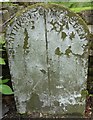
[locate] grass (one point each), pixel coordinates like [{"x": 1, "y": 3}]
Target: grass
[
  {"x": 73, "y": 6},
  {"x": 79, "y": 9},
  {"x": 76, "y": 6}
]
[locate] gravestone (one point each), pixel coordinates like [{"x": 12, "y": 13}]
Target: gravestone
[{"x": 48, "y": 54}]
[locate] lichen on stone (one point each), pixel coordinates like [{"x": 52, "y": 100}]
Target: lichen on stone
[
  {"x": 50, "y": 49},
  {"x": 25, "y": 46}
]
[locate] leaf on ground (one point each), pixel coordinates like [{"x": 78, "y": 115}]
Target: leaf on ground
[
  {"x": 5, "y": 89},
  {"x": 4, "y": 81},
  {"x": 2, "y": 41},
  {"x": 2, "y": 62}
]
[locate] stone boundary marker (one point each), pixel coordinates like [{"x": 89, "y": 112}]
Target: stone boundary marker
[{"x": 48, "y": 58}]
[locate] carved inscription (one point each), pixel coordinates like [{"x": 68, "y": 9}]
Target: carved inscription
[{"x": 48, "y": 55}]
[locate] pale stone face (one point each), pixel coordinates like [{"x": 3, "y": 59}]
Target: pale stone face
[{"x": 48, "y": 52}]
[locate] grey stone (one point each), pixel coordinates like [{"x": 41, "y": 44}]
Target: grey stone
[
  {"x": 48, "y": 59},
  {"x": 5, "y": 15},
  {"x": 90, "y": 28},
  {"x": 0, "y": 17},
  {"x": 88, "y": 16},
  {"x": 12, "y": 9}
]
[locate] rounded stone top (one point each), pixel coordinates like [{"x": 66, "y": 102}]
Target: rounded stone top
[
  {"x": 47, "y": 6},
  {"x": 48, "y": 55}
]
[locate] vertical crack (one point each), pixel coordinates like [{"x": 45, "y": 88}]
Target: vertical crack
[
  {"x": 25, "y": 47},
  {"x": 47, "y": 56}
]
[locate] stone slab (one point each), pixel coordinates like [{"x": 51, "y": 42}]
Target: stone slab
[{"x": 48, "y": 58}]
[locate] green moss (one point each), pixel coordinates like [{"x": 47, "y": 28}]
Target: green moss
[
  {"x": 2, "y": 39},
  {"x": 59, "y": 8},
  {"x": 25, "y": 40},
  {"x": 34, "y": 102},
  {"x": 68, "y": 51},
  {"x": 58, "y": 51},
  {"x": 67, "y": 26},
  {"x": 72, "y": 35},
  {"x": 13, "y": 54},
  {"x": 49, "y": 6},
  {"x": 63, "y": 35},
  {"x": 90, "y": 37}
]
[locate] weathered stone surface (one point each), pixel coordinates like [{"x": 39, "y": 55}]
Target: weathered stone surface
[
  {"x": 0, "y": 17},
  {"x": 88, "y": 16},
  {"x": 48, "y": 53},
  {"x": 5, "y": 15},
  {"x": 90, "y": 28},
  {"x": 12, "y": 10}
]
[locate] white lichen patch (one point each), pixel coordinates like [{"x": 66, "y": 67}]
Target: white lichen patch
[{"x": 48, "y": 53}]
